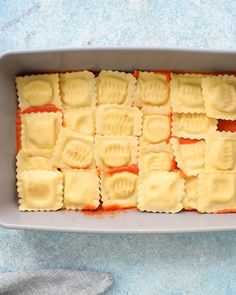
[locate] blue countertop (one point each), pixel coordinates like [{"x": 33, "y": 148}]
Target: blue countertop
[{"x": 202, "y": 263}]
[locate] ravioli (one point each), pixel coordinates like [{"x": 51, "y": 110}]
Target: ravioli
[
  {"x": 78, "y": 89},
  {"x": 156, "y": 125},
  {"x": 119, "y": 190},
  {"x": 186, "y": 93},
  {"x": 118, "y": 120},
  {"x": 80, "y": 120},
  {"x": 220, "y": 96},
  {"x": 40, "y": 190},
  {"x": 38, "y": 90},
  {"x": 115, "y": 151},
  {"x": 73, "y": 150},
  {"x": 81, "y": 189},
  {"x": 155, "y": 158},
  {"x": 115, "y": 88},
  {"x": 152, "y": 90},
  {"x": 216, "y": 192},
  {"x": 191, "y": 194},
  {"x": 33, "y": 161},
  {"x": 190, "y": 157},
  {"x": 161, "y": 192},
  {"x": 193, "y": 126},
  {"x": 40, "y": 130},
  {"x": 149, "y": 142},
  {"x": 221, "y": 152}
]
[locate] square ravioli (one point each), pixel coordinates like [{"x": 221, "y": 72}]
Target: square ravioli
[
  {"x": 155, "y": 158},
  {"x": 220, "y": 96},
  {"x": 191, "y": 196},
  {"x": 186, "y": 93},
  {"x": 115, "y": 151},
  {"x": 115, "y": 88},
  {"x": 38, "y": 90},
  {"x": 81, "y": 189},
  {"x": 77, "y": 89},
  {"x": 40, "y": 130},
  {"x": 40, "y": 190},
  {"x": 118, "y": 120},
  {"x": 27, "y": 160},
  {"x": 81, "y": 120},
  {"x": 193, "y": 126},
  {"x": 161, "y": 192},
  {"x": 156, "y": 125},
  {"x": 221, "y": 151},
  {"x": 152, "y": 89},
  {"x": 119, "y": 190},
  {"x": 73, "y": 150},
  {"x": 217, "y": 192},
  {"x": 189, "y": 155}
]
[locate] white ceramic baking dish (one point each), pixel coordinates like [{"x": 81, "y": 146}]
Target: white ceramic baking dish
[{"x": 127, "y": 59}]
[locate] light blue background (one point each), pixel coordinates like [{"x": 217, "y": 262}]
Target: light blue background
[{"x": 140, "y": 264}]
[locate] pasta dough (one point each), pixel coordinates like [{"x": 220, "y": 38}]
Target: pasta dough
[
  {"x": 190, "y": 157},
  {"x": 81, "y": 120},
  {"x": 40, "y": 131},
  {"x": 221, "y": 152},
  {"x": 191, "y": 195},
  {"x": 152, "y": 90},
  {"x": 119, "y": 190},
  {"x": 161, "y": 192},
  {"x": 216, "y": 192},
  {"x": 186, "y": 93},
  {"x": 115, "y": 87},
  {"x": 155, "y": 158},
  {"x": 81, "y": 189},
  {"x": 33, "y": 161},
  {"x": 78, "y": 89},
  {"x": 220, "y": 96},
  {"x": 40, "y": 190},
  {"x": 38, "y": 90},
  {"x": 119, "y": 138},
  {"x": 115, "y": 151},
  {"x": 118, "y": 120},
  {"x": 193, "y": 126},
  {"x": 156, "y": 125},
  {"x": 73, "y": 150}
]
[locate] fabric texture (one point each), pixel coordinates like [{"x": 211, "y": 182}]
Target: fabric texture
[{"x": 54, "y": 281}]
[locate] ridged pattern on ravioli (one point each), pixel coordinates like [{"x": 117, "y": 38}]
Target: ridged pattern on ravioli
[
  {"x": 190, "y": 157},
  {"x": 77, "y": 89},
  {"x": 221, "y": 151},
  {"x": 115, "y": 151},
  {"x": 152, "y": 90},
  {"x": 220, "y": 96},
  {"x": 186, "y": 93},
  {"x": 38, "y": 90},
  {"x": 115, "y": 88},
  {"x": 194, "y": 126},
  {"x": 118, "y": 120},
  {"x": 155, "y": 158},
  {"x": 119, "y": 190}
]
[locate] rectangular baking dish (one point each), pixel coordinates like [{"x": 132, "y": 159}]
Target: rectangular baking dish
[{"x": 127, "y": 59}]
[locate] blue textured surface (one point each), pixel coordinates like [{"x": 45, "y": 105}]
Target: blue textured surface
[{"x": 145, "y": 264}]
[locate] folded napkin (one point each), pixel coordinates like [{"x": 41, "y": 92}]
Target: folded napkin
[{"x": 54, "y": 281}]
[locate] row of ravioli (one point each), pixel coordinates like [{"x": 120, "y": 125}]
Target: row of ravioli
[
  {"x": 212, "y": 95},
  {"x": 156, "y": 191},
  {"x": 122, "y": 142}
]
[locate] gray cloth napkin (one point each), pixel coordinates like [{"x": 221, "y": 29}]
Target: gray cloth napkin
[{"x": 54, "y": 281}]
